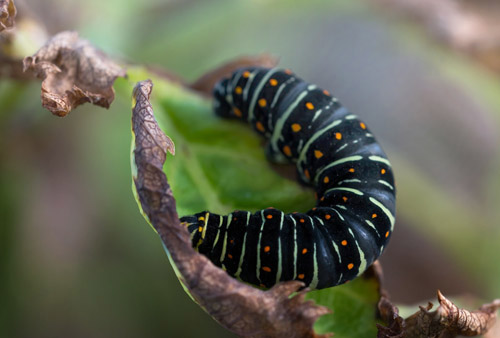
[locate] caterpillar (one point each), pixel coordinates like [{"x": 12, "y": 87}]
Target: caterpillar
[{"x": 336, "y": 154}]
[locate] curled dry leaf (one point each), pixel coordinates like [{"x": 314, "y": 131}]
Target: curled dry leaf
[
  {"x": 389, "y": 313},
  {"x": 242, "y": 309},
  {"x": 206, "y": 82},
  {"x": 446, "y": 321},
  {"x": 73, "y": 72},
  {"x": 7, "y": 14}
]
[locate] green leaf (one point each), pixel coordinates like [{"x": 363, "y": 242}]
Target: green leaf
[
  {"x": 353, "y": 307},
  {"x": 220, "y": 166}
]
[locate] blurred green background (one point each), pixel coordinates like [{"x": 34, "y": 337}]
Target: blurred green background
[{"x": 77, "y": 258}]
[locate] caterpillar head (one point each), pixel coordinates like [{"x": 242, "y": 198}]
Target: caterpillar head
[{"x": 221, "y": 106}]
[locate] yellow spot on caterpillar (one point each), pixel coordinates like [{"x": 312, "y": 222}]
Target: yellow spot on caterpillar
[
  {"x": 296, "y": 127},
  {"x": 230, "y": 256},
  {"x": 200, "y": 229},
  {"x": 309, "y": 106},
  {"x": 374, "y": 215},
  {"x": 288, "y": 71},
  {"x": 269, "y": 216},
  {"x": 306, "y": 173},
  {"x": 238, "y": 90},
  {"x": 382, "y": 171},
  {"x": 267, "y": 248},
  {"x": 344, "y": 198},
  {"x": 287, "y": 151},
  {"x": 301, "y": 220},
  {"x": 300, "y": 276},
  {"x": 201, "y": 218},
  {"x": 338, "y": 136},
  {"x": 199, "y": 243},
  {"x": 326, "y": 179},
  {"x": 266, "y": 269},
  {"x": 304, "y": 251},
  {"x": 318, "y": 154},
  {"x": 351, "y": 170},
  {"x": 328, "y": 216},
  {"x": 344, "y": 242},
  {"x": 246, "y": 74},
  {"x": 237, "y": 112},
  {"x": 262, "y": 102},
  {"x": 326, "y": 92},
  {"x": 387, "y": 234},
  {"x": 350, "y": 266},
  {"x": 260, "y": 126},
  {"x": 362, "y": 125},
  {"x": 273, "y": 82}
]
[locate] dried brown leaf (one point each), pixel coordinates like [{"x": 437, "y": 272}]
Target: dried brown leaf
[
  {"x": 7, "y": 14},
  {"x": 448, "y": 320},
  {"x": 242, "y": 309},
  {"x": 73, "y": 72},
  {"x": 206, "y": 82},
  {"x": 389, "y": 313}
]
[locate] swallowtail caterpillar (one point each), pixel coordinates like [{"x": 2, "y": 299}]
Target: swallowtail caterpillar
[{"x": 336, "y": 154}]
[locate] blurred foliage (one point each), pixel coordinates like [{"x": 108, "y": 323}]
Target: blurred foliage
[{"x": 77, "y": 258}]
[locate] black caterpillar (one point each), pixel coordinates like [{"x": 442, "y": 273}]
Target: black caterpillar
[{"x": 335, "y": 153}]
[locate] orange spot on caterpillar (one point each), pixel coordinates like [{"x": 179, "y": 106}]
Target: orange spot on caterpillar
[
  {"x": 362, "y": 125},
  {"x": 296, "y": 127},
  {"x": 351, "y": 170},
  {"x": 338, "y": 136},
  {"x": 344, "y": 242},
  {"x": 237, "y": 112},
  {"x": 309, "y": 106},
  {"x": 344, "y": 198},
  {"x": 246, "y": 74},
  {"x": 267, "y": 248},
  {"x": 273, "y": 82},
  {"x": 231, "y": 241},
  {"x": 382, "y": 171},
  {"x": 262, "y": 103},
  {"x": 306, "y": 173},
  {"x": 322, "y": 199},
  {"x": 301, "y": 276},
  {"x": 350, "y": 266},
  {"x": 262, "y": 286},
  {"x": 230, "y": 256},
  {"x": 287, "y": 151},
  {"x": 238, "y": 90},
  {"x": 314, "y": 209},
  {"x": 301, "y": 220},
  {"x": 328, "y": 216},
  {"x": 288, "y": 71},
  {"x": 326, "y": 179},
  {"x": 266, "y": 269},
  {"x": 374, "y": 215},
  {"x": 387, "y": 234},
  {"x": 326, "y": 92},
  {"x": 318, "y": 154},
  {"x": 304, "y": 251},
  {"x": 260, "y": 126},
  {"x": 269, "y": 216}
]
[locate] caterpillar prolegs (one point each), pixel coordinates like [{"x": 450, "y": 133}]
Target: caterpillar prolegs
[{"x": 335, "y": 153}]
